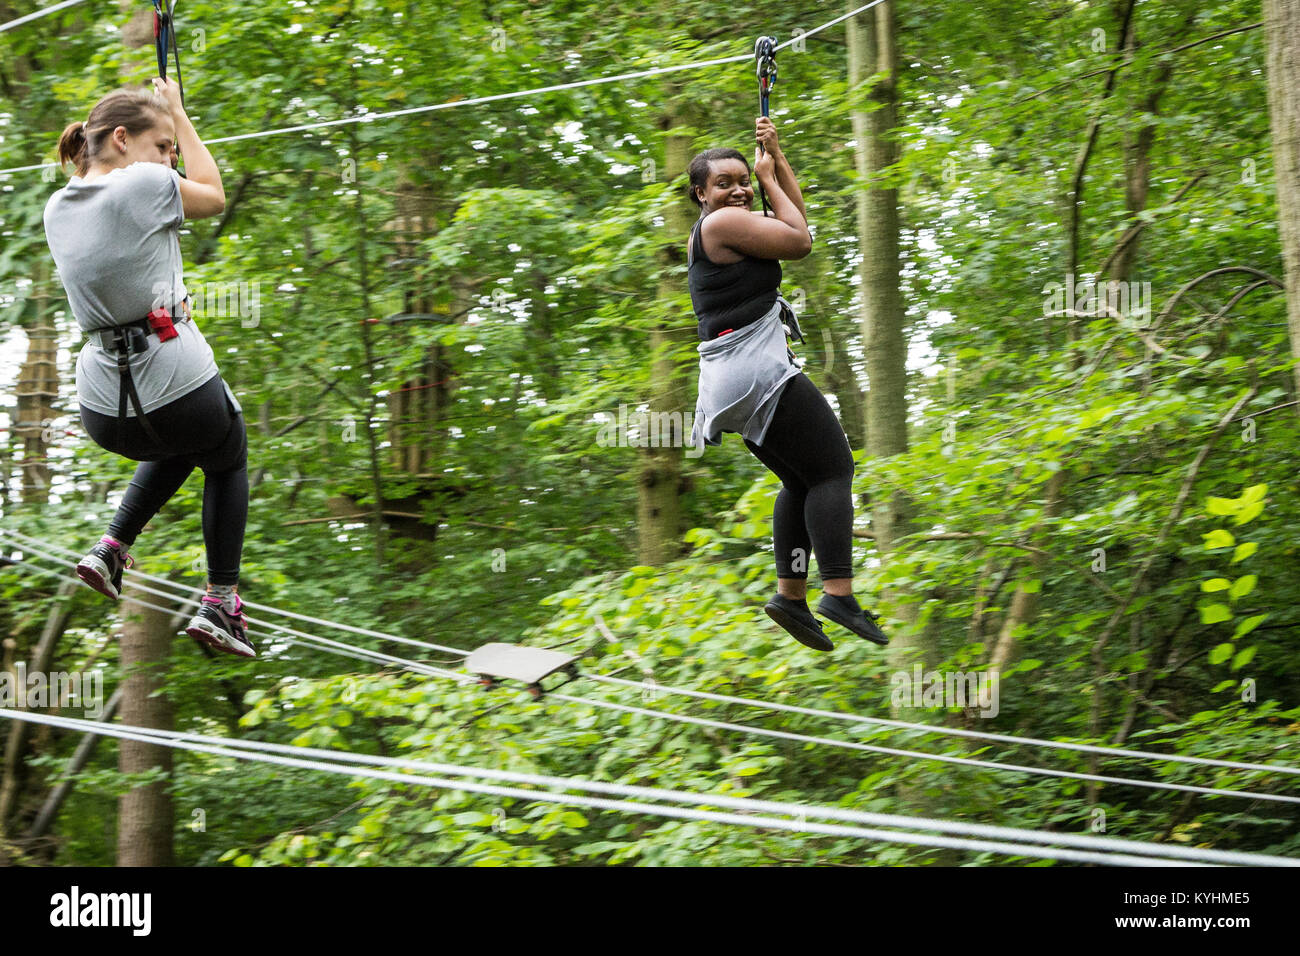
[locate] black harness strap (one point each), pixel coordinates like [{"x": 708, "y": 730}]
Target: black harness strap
[
  {"x": 765, "y": 57},
  {"x": 128, "y": 339},
  {"x": 164, "y": 38}
]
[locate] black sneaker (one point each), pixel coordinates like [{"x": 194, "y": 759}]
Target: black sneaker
[
  {"x": 102, "y": 569},
  {"x": 795, "y": 617},
  {"x": 860, "y": 622},
  {"x": 217, "y": 627}
]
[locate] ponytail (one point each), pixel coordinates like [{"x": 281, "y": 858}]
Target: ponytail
[
  {"x": 72, "y": 146},
  {"x": 137, "y": 110}
]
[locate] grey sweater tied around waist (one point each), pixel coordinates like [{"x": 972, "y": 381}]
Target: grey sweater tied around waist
[{"x": 741, "y": 374}]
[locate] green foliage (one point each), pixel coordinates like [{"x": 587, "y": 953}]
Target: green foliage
[{"x": 487, "y": 340}]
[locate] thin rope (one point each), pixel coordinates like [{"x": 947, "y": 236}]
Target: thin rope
[
  {"x": 740, "y": 803},
  {"x": 789, "y": 708},
  {"x": 246, "y": 751},
  {"x": 828, "y": 23}
]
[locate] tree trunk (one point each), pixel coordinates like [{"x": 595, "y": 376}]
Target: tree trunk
[
  {"x": 1137, "y": 154},
  {"x": 872, "y": 51},
  {"x": 145, "y": 814},
  {"x": 80, "y": 757},
  {"x": 843, "y": 381},
  {"x": 39, "y": 662},
  {"x": 1024, "y": 603},
  {"x": 659, "y": 484},
  {"x": 37, "y": 390},
  {"x": 1283, "y": 24},
  {"x": 416, "y": 411},
  {"x": 837, "y": 362}
]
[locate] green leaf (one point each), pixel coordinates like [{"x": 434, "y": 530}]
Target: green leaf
[
  {"x": 1242, "y": 586},
  {"x": 1254, "y": 493},
  {"x": 1248, "y": 625},
  {"x": 1215, "y": 584},
  {"x": 1221, "y": 653},
  {"x": 1244, "y": 551},
  {"x": 1214, "y": 613},
  {"x": 1243, "y": 658},
  {"x": 1249, "y": 512},
  {"x": 1218, "y": 538},
  {"x": 1221, "y": 506}
]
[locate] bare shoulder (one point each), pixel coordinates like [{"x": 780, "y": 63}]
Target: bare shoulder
[{"x": 726, "y": 218}]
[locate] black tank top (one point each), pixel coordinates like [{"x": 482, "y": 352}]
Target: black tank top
[{"x": 730, "y": 295}]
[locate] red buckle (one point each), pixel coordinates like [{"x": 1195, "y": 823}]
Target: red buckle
[
  {"x": 160, "y": 320},
  {"x": 724, "y": 332}
]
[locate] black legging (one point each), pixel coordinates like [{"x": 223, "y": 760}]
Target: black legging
[
  {"x": 805, "y": 447},
  {"x": 200, "y": 430}
]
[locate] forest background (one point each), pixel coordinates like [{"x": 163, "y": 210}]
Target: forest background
[{"x": 1047, "y": 297}]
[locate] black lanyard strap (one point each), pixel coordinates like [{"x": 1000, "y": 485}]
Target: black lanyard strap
[
  {"x": 164, "y": 39},
  {"x": 765, "y": 67}
]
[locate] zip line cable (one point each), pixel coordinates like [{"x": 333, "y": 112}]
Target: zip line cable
[
  {"x": 33, "y": 543},
  {"x": 722, "y": 698},
  {"x": 337, "y": 647},
  {"x": 42, "y": 12},
  {"x": 767, "y": 705},
  {"x": 293, "y": 637},
  {"x": 956, "y": 732},
  {"x": 740, "y": 803},
  {"x": 921, "y": 755},
  {"x": 496, "y": 97},
  {"x": 262, "y": 750}
]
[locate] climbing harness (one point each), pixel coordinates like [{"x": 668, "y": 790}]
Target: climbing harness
[
  {"x": 129, "y": 339},
  {"x": 765, "y": 60}
]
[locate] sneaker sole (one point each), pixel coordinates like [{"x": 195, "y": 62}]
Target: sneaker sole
[
  {"x": 219, "y": 640},
  {"x": 833, "y": 614},
  {"x": 94, "y": 574},
  {"x": 798, "y": 630}
]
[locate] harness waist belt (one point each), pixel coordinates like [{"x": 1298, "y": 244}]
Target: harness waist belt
[{"x": 130, "y": 339}]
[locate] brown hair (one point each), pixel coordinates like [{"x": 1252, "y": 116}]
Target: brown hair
[{"x": 137, "y": 110}]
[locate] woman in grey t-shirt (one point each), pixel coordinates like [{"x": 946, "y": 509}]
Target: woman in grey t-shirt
[{"x": 113, "y": 233}]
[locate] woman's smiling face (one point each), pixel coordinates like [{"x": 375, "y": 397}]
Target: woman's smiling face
[{"x": 728, "y": 185}]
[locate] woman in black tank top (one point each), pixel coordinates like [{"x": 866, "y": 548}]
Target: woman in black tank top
[{"x": 734, "y": 273}]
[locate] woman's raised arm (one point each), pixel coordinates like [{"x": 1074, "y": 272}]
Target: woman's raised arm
[{"x": 201, "y": 191}]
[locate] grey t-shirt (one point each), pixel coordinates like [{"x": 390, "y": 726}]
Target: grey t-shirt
[{"x": 116, "y": 244}]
